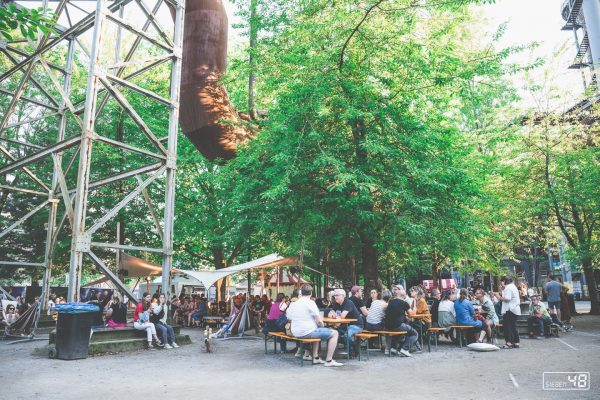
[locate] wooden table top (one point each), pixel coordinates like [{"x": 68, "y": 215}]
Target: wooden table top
[
  {"x": 328, "y": 320},
  {"x": 420, "y": 315}
]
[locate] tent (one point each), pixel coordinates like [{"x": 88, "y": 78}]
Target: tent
[{"x": 209, "y": 278}]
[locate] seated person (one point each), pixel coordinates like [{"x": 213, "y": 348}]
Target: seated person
[
  {"x": 201, "y": 312},
  {"x": 276, "y": 319},
  {"x": 347, "y": 309},
  {"x": 446, "y": 311},
  {"x": 357, "y": 299},
  {"x": 159, "y": 319},
  {"x": 435, "y": 299},
  {"x": 422, "y": 323},
  {"x": 141, "y": 320},
  {"x": 538, "y": 315},
  {"x": 465, "y": 312},
  {"x": 307, "y": 323},
  {"x": 396, "y": 320},
  {"x": 491, "y": 319},
  {"x": 116, "y": 313},
  {"x": 10, "y": 314},
  {"x": 376, "y": 317}
]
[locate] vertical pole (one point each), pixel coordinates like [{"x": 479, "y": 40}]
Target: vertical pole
[
  {"x": 80, "y": 242},
  {"x": 172, "y": 149},
  {"x": 57, "y": 162},
  {"x": 118, "y": 255},
  {"x": 277, "y": 280}
]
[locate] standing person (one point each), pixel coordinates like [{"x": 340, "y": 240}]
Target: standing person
[
  {"x": 395, "y": 320},
  {"x": 306, "y": 323},
  {"x": 357, "y": 299},
  {"x": 141, "y": 320},
  {"x": 553, "y": 289},
  {"x": 374, "y": 296},
  {"x": 267, "y": 303},
  {"x": 159, "y": 318},
  {"x": 511, "y": 309},
  {"x": 116, "y": 313},
  {"x": 51, "y": 303},
  {"x": 376, "y": 317}
]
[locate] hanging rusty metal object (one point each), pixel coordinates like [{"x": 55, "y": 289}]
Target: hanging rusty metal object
[{"x": 207, "y": 117}]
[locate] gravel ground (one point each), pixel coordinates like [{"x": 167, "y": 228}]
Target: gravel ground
[{"x": 240, "y": 368}]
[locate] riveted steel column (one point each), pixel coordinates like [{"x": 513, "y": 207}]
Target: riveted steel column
[
  {"x": 172, "y": 149},
  {"x": 80, "y": 243},
  {"x": 55, "y": 178}
]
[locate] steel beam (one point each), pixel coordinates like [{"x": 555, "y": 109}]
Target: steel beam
[
  {"x": 79, "y": 242},
  {"x": 6, "y": 294},
  {"x": 129, "y": 147},
  {"x": 29, "y": 100},
  {"x": 100, "y": 222},
  {"x": 60, "y": 146},
  {"x": 159, "y": 228},
  {"x": 125, "y": 247},
  {"x": 21, "y": 143},
  {"x": 23, "y": 219},
  {"x": 16, "y": 189},
  {"x": 18, "y": 264},
  {"x": 169, "y": 212},
  {"x": 25, "y": 169},
  {"x": 100, "y": 264}
]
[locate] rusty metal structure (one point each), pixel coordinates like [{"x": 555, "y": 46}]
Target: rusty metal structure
[{"x": 112, "y": 42}]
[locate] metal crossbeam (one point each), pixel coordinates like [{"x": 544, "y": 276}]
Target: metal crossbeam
[
  {"x": 23, "y": 219},
  {"x": 125, "y": 247},
  {"x": 111, "y": 276},
  {"x": 60, "y": 146}
]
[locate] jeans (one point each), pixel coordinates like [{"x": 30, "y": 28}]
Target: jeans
[
  {"x": 166, "y": 332},
  {"x": 272, "y": 326},
  {"x": 353, "y": 330},
  {"x": 374, "y": 327},
  {"x": 540, "y": 321},
  {"x": 411, "y": 337},
  {"x": 146, "y": 326},
  {"x": 509, "y": 322}
]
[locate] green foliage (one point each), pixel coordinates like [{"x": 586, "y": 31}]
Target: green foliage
[{"x": 29, "y": 22}]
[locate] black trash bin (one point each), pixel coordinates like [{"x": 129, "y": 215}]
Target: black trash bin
[{"x": 73, "y": 329}]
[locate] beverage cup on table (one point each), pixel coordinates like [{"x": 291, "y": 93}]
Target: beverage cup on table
[{"x": 337, "y": 314}]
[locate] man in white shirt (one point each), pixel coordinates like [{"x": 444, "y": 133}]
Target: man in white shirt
[
  {"x": 511, "y": 308},
  {"x": 307, "y": 324}
]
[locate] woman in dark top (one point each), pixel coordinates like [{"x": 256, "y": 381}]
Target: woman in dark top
[{"x": 117, "y": 313}]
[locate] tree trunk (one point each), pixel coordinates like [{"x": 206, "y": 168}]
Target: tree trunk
[
  {"x": 591, "y": 284},
  {"x": 435, "y": 275},
  {"x": 219, "y": 263},
  {"x": 253, "y": 28},
  {"x": 369, "y": 259}
]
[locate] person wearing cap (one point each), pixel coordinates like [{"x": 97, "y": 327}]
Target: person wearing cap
[
  {"x": 347, "y": 309},
  {"x": 538, "y": 315},
  {"x": 357, "y": 299}
]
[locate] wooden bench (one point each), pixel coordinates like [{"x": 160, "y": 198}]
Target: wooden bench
[
  {"x": 283, "y": 336},
  {"x": 387, "y": 334},
  {"x": 460, "y": 329},
  {"x": 433, "y": 333},
  {"x": 362, "y": 337}
]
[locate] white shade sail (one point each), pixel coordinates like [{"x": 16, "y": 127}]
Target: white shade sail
[{"x": 209, "y": 278}]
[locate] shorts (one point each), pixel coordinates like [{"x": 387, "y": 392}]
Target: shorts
[
  {"x": 552, "y": 304},
  {"x": 320, "y": 333}
]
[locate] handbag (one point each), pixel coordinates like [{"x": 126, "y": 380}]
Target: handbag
[{"x": 288, "y": 328}]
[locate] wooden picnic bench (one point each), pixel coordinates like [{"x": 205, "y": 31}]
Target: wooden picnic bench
[
  {"x": 300, "y": 341},
  {"x": 364, "y": 337},
  {"x": 386, "y": 334},
  {"x": 460, "y": 329}
]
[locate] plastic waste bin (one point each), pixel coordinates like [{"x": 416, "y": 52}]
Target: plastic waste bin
[{"x": 73, "y": 329}]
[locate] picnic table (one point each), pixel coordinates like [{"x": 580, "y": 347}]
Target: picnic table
[{"x": 420, "y": 316}]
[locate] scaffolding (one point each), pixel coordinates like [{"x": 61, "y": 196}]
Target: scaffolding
[{"x": 35, "y": 80}]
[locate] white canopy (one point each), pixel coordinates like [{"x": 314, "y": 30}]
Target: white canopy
[{"x": 208, "y": 278}]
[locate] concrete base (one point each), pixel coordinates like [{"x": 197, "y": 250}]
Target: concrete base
[{"x": 115, "y": 340}]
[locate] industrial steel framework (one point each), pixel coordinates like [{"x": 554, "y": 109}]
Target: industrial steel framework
[{"x": 111, "y": 71}]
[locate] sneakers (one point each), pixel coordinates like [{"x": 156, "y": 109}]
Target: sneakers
[
  {"x": 175, "y": 345},
  {"x": 405, "y": 353},
  {"x": 394, "y": 351},
  {"x": 298, "y": 353},
  {"x": 168, "y": 346},
  {"x": 150, "y": 346},
  {"x": 307, "y": 357},
  {"x": 332, "y": 363},
  {"x": 319, "y": 360},
  {"x": 539, "y": 337}
]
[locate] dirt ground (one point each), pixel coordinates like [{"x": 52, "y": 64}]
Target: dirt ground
[{"x": 240, "y": 368}]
